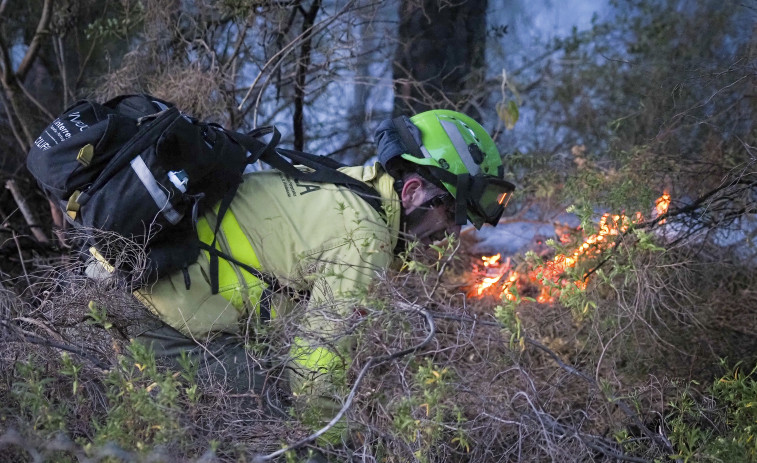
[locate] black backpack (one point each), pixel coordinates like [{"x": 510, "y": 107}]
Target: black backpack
[{"x": 138, "y": 167}]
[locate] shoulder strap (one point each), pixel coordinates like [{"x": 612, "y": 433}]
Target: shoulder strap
[
  {"x": 272, "y": 283},
  {"x": 257, "y": 150},
  {"x": 323, "y": 173},
  {"x": 324, "y": 170}
]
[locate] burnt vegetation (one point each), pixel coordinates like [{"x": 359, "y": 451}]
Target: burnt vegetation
[{"x": 650, "y": 358}]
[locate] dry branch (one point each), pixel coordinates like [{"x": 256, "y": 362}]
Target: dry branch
[
  {"x": 36, "y": 43},
  {"x": 26, "y": 212}
]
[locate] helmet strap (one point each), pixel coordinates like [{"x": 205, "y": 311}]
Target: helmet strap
[
  {"x": 461, "y": 198},
  {"x": 463, "y": 183},
  {"x": 409, "y": 219},
  {"x": 398, "y": 185}
]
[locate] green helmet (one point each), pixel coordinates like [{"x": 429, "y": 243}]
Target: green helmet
[{"x": 461, "y": 156}]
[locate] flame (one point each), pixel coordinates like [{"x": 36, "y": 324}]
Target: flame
[
  {"x": 511, "y": 280},
  {"x": 662, "y": 204},
  {"x": 492, "y": 262},
  {"x": 549, "y": 276}
]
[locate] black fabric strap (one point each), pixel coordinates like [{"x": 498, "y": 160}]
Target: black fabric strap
[
  {"x": 324, "y": 170},
  {"x": 462, "y": 184},
  {"x": 407, "y": 138},
  {"x": 251, "y": 141},
  {"x": 187, "y": 280},
  {"x": 271, "y": 283},
  {"x": 222, "y": 208},
  {"x": 461, "y": 199},
  {"x": 323, "y": 173},
  {"x": 257, "y": 150}
]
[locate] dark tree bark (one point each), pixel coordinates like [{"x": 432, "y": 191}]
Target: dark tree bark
[
  {"x": 439, "y": 58},
  {"x": 302, "y": 71}
]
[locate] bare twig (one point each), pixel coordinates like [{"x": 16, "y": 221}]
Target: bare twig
[
  {"x": 21, "y": 259},
  {"x": 32, "y": 339},
  {"x": 14, "y": 129},
  {"x": 36, "y": 102},
  {"x": 276, "y": 59},
  {"x": 372, "y": 362},
  {"x": 39, "y": 324}
]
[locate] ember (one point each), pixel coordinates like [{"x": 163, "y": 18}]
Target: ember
[{"x": 497, "y": 278}]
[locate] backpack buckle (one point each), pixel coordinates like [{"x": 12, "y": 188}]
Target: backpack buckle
[
  {"x": 72, "y": 206},
  {"x": 86, "y": 153}
]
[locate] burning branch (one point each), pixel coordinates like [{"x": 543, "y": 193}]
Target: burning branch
[{"x": 550, "y": 276}]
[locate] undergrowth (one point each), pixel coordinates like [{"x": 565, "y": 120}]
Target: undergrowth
[{"x": 640, "y": 365}]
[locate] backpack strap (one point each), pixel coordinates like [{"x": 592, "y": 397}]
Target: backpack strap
[
  {"x": 257, "y": 150},
  {"x": 251, "y": 141},
  {"x": 271, "y": 283},
  {"x": 214, "y": 254},
  {"x": 324, "y": 170},
  {"x": 324, "y": 173}
]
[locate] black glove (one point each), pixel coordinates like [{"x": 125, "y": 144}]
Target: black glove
[{"x": 389, "y": 142}]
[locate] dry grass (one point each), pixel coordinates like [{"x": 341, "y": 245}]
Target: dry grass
[{"x": 592, "y": 388}]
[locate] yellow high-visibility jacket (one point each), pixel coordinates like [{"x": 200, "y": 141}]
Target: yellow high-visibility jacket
[{"x": 317, "y": 238}]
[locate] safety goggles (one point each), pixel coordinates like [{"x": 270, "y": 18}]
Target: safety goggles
[
  {"x": 487, "y": 199},
  {"x": 478, "y": 198}
]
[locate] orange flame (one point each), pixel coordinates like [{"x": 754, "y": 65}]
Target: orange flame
[
  {"x": 662, "y": 204},
  {"x": 511, "y": 280},
  {"x": 549, "y": 276},
  {"x": 492, "y": 262}
]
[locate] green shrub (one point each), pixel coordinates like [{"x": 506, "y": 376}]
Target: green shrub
[
  {"x": 721, "y": 427},
  {"x": 146, "y": 404},
  {"x": 40, "y": 408}
]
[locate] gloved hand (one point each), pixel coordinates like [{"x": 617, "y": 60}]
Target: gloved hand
[{"x": 389, "y": 143}]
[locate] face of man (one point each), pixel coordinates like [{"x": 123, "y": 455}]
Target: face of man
[{"x": 428, "y": 211}]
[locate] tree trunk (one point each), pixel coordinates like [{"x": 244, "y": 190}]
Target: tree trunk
[
  {"x": 303, "y": 64},
  {"x": 439, "y": 59}
]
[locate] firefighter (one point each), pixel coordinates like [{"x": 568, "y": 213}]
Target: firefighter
[{"x": 324, "y": 244}]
